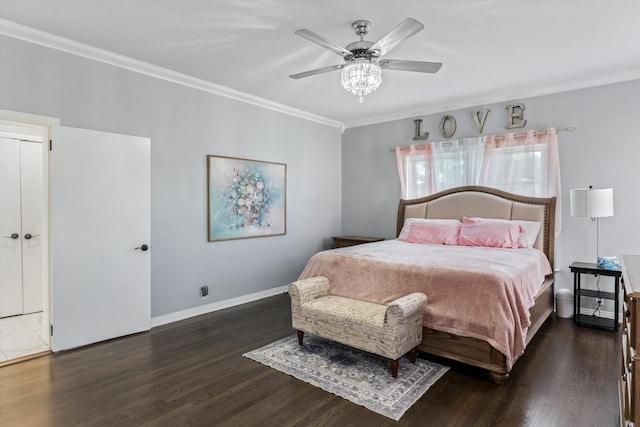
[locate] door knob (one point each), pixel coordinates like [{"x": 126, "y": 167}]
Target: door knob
[
  {"x": 142, "y": 247},
  {"x": 29, "y": 236},
  {"x": 13, "y": 236}
]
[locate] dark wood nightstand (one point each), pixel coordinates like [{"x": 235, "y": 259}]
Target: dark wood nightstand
[
  {"x": 343, "y": 241},
  {"x": 578, "y": 268}
]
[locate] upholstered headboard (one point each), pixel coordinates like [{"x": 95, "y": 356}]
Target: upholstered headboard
[{"x": 485, "y": 202}]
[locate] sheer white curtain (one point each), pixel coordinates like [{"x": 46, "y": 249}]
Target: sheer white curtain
[
  {"x": 435, "y": 166},
  {"x": 526, "y": 163},
  {"x": 415, "y": 171},
  {"x": 457, "y": 163}
]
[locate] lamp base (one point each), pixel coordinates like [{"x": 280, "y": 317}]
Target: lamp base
[{"x": 608, "y": 263}]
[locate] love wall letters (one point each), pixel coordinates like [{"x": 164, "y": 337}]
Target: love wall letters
[{"x": 447, "y": 128}]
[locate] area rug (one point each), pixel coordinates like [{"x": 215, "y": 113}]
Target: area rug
[{"x": 360, "y": 377}]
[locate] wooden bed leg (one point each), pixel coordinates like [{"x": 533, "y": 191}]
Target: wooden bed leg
[
  {"x": 300, "y": 336},
  {"x": 499, "y": 378},
  {"x": 413, "y": 354},
  {"x": 394, "y": 368}
]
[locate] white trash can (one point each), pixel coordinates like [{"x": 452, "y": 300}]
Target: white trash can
[{"x": 564, "y": 303}]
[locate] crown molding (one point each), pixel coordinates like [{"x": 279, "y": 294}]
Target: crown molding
[
  {"x": 31, "y": 35},
  {"x": 508, "y": 95}
]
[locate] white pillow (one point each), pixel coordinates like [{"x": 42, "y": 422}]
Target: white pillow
[
  {"x": 530, "y": 233},
  {"x": 406, "y": 228}
]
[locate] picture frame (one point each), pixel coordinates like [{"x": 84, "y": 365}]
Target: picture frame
[{"x": 246, "y": 198}]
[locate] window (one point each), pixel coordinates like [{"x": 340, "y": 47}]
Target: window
[
  {"x": 524, "y": 163},
  {"x": 417, "y": 175},
  {"x": 519, "y": 170},
  {"x": 457, "y": 163}
]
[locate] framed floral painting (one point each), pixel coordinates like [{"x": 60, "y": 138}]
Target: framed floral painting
[{"x": 247, "y": 198}]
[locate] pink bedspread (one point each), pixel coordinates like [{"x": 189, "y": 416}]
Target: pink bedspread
[{"x": 477, "y": 292}]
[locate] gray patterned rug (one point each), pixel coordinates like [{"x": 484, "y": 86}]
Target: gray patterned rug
[{"x": 360, "y": 377}]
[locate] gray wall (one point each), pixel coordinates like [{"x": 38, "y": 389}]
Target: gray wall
[
  {"x": 604, "y": 151},
  {"x": 185, "y": 125},
  {"x": 323, "y": 198}
]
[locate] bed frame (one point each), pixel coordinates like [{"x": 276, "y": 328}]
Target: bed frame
[{"x": 475, "y": 201}]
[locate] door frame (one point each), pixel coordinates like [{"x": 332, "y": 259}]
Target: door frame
[{"x": 47, "y": 123}]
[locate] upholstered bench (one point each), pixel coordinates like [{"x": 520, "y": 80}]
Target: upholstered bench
[{"x": 386, "y": 330}]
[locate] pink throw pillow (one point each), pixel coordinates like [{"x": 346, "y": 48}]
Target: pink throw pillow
[
  {"x": 530, "y": 229},
  {"x": 435, "y": 231},
  {"x": 490, "y": 233}
]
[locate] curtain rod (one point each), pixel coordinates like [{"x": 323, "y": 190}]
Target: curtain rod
[{"x": 515, "y": 135}]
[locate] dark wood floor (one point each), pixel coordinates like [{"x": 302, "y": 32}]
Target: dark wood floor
[{"x": 192, "y": 373}]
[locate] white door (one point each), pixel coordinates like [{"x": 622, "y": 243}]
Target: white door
[
  {"x": 10, "y": 229},
  {"x": 32, "y": 217},
  {"x": 100, "y": 220},
  {"x": 21, "y": 216}
]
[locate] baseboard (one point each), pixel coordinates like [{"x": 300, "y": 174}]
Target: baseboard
[{"x": 220, "y": 305}]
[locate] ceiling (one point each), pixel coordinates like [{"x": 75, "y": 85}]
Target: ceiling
[{"x": 492, "y": 50}]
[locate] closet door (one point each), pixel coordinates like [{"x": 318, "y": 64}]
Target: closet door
[
  {"x": 10, "y": 229},
  {"x": 32, "y": 216}
]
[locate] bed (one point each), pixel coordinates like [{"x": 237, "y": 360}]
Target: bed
[{"x": 484, "y": 304}]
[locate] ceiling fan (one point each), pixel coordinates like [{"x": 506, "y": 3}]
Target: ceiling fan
[{"x": 361, "y": 71}]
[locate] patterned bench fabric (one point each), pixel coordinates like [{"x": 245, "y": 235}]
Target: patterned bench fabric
[
  {"x": 335, "y": 309},
  {"x": 389, "y": 331}
]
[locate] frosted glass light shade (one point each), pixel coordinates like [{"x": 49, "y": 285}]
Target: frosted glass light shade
[{"x": 591, "y": 202}]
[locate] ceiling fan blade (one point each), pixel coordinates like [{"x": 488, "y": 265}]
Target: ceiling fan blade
[
  {"x": 318, "y": 39},
  {"x": 417, "y": 66},
  {"x": 406, "y": 29},
  {"x": 317, "y": 71}
]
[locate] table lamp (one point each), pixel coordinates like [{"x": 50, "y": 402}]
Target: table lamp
[{"x": 594, "y": 203}]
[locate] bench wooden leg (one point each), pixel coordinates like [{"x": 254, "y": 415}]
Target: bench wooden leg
[
  {"x": 413, "y": 354},
  {"x": 394, "y": 368},
  {"x": 300, "y": 336}
]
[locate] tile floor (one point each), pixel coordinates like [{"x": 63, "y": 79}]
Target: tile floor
[{"x": 21, "y": 336}]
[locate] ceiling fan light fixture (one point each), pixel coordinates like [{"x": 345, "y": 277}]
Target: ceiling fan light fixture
[
  {"x": 361, "y": 71},
  {"x": 361, "y": 76}
]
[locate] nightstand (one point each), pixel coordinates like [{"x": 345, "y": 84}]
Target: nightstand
[
  {"x": 579, "y": 268},
  {"x": 343, "y": 241}
]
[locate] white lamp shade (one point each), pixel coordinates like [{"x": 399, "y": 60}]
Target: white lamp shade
[
  {"x": 591, "y": 202},
  {"x": 600, "y": 202},
  {"x": 578, "y": 201}
]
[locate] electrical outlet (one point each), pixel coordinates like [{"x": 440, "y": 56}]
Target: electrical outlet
[{"x": 204, "y": 292}]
